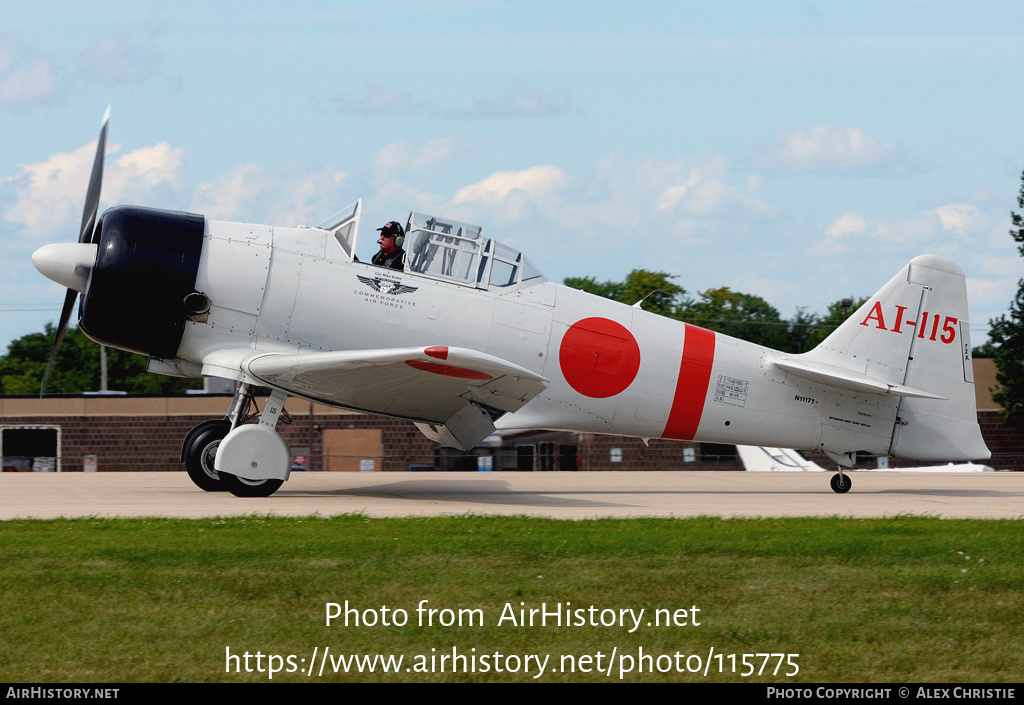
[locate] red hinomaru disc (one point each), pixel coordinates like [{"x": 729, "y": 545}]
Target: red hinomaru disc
[{"x": 599, "y": 358}]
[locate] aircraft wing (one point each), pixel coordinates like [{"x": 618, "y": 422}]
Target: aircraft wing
[{"x": 453, "y": 393}]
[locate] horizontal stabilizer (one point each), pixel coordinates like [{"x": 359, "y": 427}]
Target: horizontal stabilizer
[{"x": 848, "y": 379}]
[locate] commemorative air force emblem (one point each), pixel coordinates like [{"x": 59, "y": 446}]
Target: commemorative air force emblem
[{"x": 386, "y": 286}]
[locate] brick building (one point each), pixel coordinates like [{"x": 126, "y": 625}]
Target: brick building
[
  {"x": 122, "y": 433},
  {"x": 127, "y": 433}
]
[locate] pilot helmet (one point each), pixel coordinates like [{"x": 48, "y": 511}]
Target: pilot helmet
[{"x": 393, "y": 228}]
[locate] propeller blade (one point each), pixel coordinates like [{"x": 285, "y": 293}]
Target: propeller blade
[
  {"x": 92, "y": 204},
  {"x": 65, "y": 314},
  {"x": 92, "y": 195}
]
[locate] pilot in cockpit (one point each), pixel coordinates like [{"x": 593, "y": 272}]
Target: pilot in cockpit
[{"x": 391, "y": 254}]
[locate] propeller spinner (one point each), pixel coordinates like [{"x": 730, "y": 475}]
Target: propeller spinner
[{"x": 70, "y": 264}]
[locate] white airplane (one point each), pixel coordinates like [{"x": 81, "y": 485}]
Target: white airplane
[
  {"x": 471, "y": 337},
  {"x": 762, "y": 459}
]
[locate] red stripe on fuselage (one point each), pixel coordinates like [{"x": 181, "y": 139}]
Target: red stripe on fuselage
[{"x": 692, "y": 387}]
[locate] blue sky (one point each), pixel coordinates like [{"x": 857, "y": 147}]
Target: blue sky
[{"x": 800, "y": 151}]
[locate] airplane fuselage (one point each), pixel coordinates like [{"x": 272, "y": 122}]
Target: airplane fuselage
[{"x": 611, "y": 368}]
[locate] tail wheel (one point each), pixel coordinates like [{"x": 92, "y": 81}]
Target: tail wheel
[
  {"x": 199, "y": 450},
  {"x": 841, "y": 483}
]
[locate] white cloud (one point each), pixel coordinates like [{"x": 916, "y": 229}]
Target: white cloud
[
  {"x": 112, "y": 59},
  {"x": 701, "y": 196},
  {"x": 926, "y": 227},
  {"x": 694, "y": 188},
  {"x": 308, "y": 199},
  {"x": 252, "y": 193},
  {"x": 846, "y": 225},
  {"x": 521, "y": 100},
  {"x": 830, "y": 149},
  {"x": 229, "y": 194},
  {"x": 401, "y": 157},
  {"x": 685, "y": 200},
  {"x": 49, "y": 191},
  {"x": 50, "y": 194},
  {"x": 118, "y": 59},
  {"x": 535, "y": 182},
  {"x": 988, "y": 294},
  {"x": 24, "y": 85},
  {"x": 962, "y": 217},
  {"x": 135, "y": 175},
  {"x": 994, "y": 265},
  {"x": 898, "y": 234},
  {"x": 380, "y": 99},
  {"x": 396, "y": 197}
]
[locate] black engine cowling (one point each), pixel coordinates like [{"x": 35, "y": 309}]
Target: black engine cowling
[{"x": 146, "y": 264}]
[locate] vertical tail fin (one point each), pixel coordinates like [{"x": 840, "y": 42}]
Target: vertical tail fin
[{"x": 915, "y": 333}]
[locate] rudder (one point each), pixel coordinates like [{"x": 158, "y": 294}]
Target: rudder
[{"x": 940, "y": 359}]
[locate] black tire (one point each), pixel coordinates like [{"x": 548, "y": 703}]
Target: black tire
[
  {"x": 244, "y": 487},
  {"x": 199, "y": 450},
  {"x": 841, "y": 483}
]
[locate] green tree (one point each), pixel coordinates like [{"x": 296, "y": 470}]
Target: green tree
[
  {"x": 1006, "y": 339},
  {"x": 838, "y": 311},
  {"x": 802, "y": 327},
  {"x": 659, "y": 294},
  {"x": 77, "y": 368},
  {"x": 657, "y": 290},
  {"x": 740, "y": 315},
  {"x": 734, "y": 313},
  {"x": 607, "y": 290}
]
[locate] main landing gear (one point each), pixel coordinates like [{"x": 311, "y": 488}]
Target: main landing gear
[
  {"x": 199, "y": 450},
  {"x": 247, "y": 460}
]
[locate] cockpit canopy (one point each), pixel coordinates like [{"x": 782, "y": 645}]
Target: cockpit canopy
[
  {"x": 445, "y": 249},
  {"x": 455, "y": 251}
]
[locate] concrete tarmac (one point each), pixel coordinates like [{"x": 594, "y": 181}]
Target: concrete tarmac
[{"x": 557, "y": 495}]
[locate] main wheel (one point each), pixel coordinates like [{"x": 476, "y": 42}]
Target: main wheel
[
  {"x": 199, "y": 450},
  {"x": 244, "y": 487},
  {"x": 841, "y": 483}
]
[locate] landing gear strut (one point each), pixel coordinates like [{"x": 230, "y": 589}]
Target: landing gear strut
[
  {"x": 254, "y": 456},
  {"x": 245, "y": 460}
]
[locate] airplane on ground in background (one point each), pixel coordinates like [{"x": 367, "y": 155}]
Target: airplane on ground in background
[
  {"x": 471, "y": 337},
  {"x": 762, "y": 459}
]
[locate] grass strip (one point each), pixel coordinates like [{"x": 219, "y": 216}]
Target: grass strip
[{"x": 167, "y": 600}]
